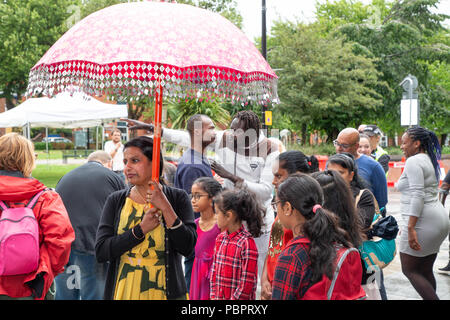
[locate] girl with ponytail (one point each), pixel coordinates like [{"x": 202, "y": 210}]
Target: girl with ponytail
[
  {"x": 235, "y": 265},
  {"x": 287, "y": 163},
  {"x": 311, "y": 255},
  {"x": 426, "y": 223}
]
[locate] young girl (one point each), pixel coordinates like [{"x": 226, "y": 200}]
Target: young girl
[
  {"x": 202, "y": 192},
  {"x": 310, "y": 256},
  {"x": 235, "y": 265}
]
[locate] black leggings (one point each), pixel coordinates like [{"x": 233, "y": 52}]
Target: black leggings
[{"x": 419, "y": 271}]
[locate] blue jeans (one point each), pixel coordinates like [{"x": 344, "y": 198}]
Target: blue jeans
[{"x": 83, "y": 278}]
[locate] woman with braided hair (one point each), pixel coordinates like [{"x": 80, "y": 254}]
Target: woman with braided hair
[{"x": 426, "y": 223}]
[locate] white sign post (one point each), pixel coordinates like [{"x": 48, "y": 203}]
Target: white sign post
[
  {"x": 409, "y": 106},
  {"x": 409, "y": 112}
]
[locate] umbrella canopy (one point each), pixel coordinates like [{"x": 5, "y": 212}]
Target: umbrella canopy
[
  {"x": 155, "y": 48},
  {"x": 62, "y": 111},
  {"x": 124, "y": 49}
]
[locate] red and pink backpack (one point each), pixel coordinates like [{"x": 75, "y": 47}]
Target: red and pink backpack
[{"x": 19, "y": 239}]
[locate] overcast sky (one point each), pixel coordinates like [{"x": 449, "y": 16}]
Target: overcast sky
[{"x": 289, "y": 10}]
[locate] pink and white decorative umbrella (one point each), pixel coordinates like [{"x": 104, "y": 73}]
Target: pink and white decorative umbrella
[
  {"x": 155, "y": 48},
  {"x": 124, "y": 49}
]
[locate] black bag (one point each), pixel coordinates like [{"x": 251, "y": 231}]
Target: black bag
[{"x": 386, "y": 228}]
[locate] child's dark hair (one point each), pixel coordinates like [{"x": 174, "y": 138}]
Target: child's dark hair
[
  {"x": 338, "y": 198},
  {"x": 145, "y": 144},
  {"x": 293, "y": 161},
  {"x": 244, "y": 204},
  {"x": 211, "y": 186},
  {"x": 321, "y": 227},
  {"x": 428, "y": 143}
]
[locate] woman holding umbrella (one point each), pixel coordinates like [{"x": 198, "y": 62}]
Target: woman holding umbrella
[{"x": 144, "y": 245}]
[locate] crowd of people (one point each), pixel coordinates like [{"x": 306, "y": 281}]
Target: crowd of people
[{"x": 255, "y": 222}]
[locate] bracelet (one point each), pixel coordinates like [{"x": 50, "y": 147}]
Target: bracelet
[
  {"x": 443, "y": 191},
  {"x": 132, "y": 231},
  {"x": 177, "y": 225}
]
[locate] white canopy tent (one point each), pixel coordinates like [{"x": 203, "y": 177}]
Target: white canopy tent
[{"x": 63, "y": 111}]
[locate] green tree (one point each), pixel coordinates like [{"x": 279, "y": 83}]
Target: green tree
[
  {"x": 28, "y": 29},
  {"x": 401, "y": 35},
  {"x": 435, "y": 101},
  {"x": 91, "y": 6},
  {"x": 226, "y": 8},
  {"x": 322, "y": 84}
]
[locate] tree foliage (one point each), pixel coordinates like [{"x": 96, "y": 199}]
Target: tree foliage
[
  {"x": 179, "y": 111},
  {"x": 28, "y": 29},
  {"x": 402, "y": 35},
  {"x": 322, "y": 84}
]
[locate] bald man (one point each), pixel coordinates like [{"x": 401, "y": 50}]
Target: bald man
[{"x": 368, "y": 168}]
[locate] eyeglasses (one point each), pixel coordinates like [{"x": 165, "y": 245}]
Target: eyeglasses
[
  {"x": 197, "y": 196},
  {"x": 274, "y": 204},
  {"x": 342, "y": 145}
]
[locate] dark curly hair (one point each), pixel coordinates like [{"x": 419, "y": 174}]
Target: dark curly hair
[
  {"x": 249, "y": 119},
  {"x": 244, "y": 204}
]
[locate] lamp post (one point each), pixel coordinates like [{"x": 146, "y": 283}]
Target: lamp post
[
  {"x": 263, "y": 30},
  {"x": 264, "y": 54}
]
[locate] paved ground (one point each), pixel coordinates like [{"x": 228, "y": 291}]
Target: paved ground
[{"x": 397, "y": 285}]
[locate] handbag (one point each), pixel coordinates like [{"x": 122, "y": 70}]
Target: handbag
[
  {"x": 380, "y": 249},
  {"x": 378, "y": 252}
]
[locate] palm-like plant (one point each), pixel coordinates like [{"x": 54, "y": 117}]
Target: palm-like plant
[{"x": 179, "y": 111}]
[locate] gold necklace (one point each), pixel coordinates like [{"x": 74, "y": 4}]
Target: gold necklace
[{"x": 146, "y": 204}]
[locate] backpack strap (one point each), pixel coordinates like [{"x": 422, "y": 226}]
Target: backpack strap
[
  {"x": 359, "y": 197},
  {"x": 30, "y": 203},
  {"x": 336, "y": 271},
  {"x": 3, "y": 205},
  {"x": 33, "y": 200}
]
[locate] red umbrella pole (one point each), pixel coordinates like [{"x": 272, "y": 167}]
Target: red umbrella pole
[{"x": 157, "y": 132}]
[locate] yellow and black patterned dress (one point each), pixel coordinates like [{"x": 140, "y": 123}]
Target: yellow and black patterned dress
[{"x": 142, "y": 269}]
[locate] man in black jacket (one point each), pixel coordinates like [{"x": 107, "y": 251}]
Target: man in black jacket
[{"x": 84, "y": 191}]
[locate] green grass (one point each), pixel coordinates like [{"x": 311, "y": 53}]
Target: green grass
[
  {"x": 52, "y": 154},
  {"x": 49, "y": 175}
]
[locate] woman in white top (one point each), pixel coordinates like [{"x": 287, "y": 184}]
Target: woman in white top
[{"x": 426, "y": 223}]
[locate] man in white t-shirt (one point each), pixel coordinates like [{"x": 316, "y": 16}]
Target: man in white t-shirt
[{"x": 115, "y": 148}]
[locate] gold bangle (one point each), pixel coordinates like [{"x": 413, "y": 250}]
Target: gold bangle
[{"x": 173, "y": 227}]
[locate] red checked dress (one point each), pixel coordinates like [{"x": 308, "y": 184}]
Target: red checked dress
[{"x": 235, "y": 267}]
